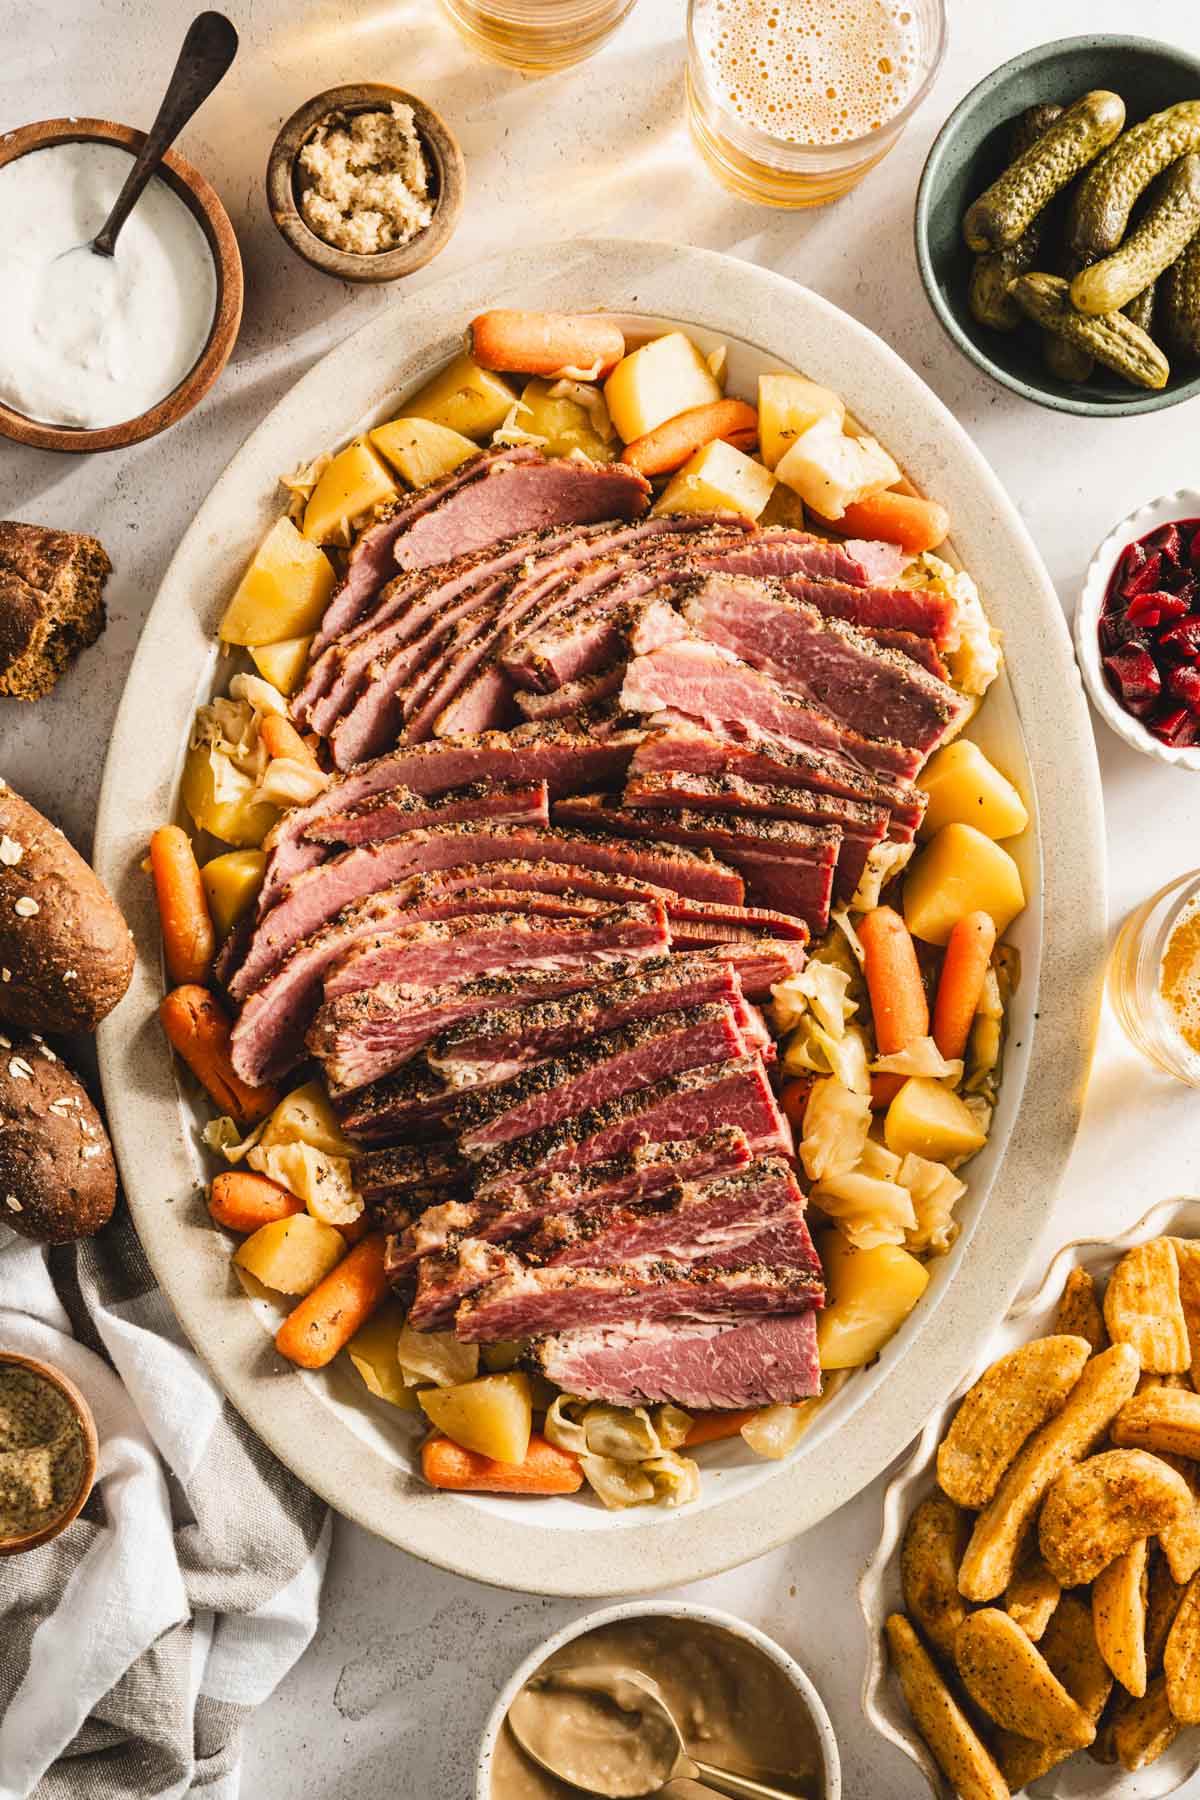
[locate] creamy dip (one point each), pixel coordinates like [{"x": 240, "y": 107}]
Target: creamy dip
[
  {"x": 91, "y": 340},
  {"x": 735, "y": 1708}
]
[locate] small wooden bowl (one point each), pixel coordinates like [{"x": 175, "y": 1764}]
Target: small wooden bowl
[
  {"x": 202, "y": 202},
  {"x": 29, "y": 1540},
  {"x": 447, "y": 184}
]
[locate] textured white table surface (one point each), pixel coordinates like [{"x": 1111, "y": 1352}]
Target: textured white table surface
[{"x": 390, "y": 1699}]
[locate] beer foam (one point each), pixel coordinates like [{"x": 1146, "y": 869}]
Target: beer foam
[{"x": 811, "y": 71}]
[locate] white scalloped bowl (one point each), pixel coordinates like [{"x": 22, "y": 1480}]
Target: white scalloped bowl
[
  {"x": 879, "y": 1593},
  {"x": 1184, "y": 503}
]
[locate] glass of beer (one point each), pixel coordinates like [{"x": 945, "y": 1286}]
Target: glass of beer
[
  {"x": 792, "y": 101},
  {"x": 537, "y": 35}
]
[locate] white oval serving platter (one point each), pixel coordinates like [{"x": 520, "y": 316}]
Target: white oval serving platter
[{"x": 1036, "y": 724}]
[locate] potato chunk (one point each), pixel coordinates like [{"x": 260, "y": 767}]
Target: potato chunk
[
  {"x": 1142, "y": 1307},
  {"x": 464, "y": 398},
  {"x": 237, "y": 817},
  {"x": 1095, "y": 1510},
  {"x": 1011, "y": 1399},
  {"x": 305, "y": 1117},
  {"x": 291, "y": 1255},
  {"x": 283, "y": 593},
  {"x": 927, "y": 1119},
  {"x": 964, "y": 788},
  {"x": 283, "y": 664},
  {"x": 831, "y": 470},
  {"x": 352, "y": 484},
  {"x": 372, "y": 1350},
  {"x": 960, "y": 871},
  {"x": 1119, "y": 1616},
  {"x": 787, "y": 406},
  {"x": 1010, "y": 1679},
  {"x": 951, "y": 1737},
  {"x": 664, "y": 377},
  {"x": 421, "y": 451},
  {"x": 568, "y": 424},
  {"x": 718, "y": 479},
  {"x": 493, "y": 1415},
  {"x": 871, "y": 1293},
  {"x": 231, "y": 883},
  {"x": 933, "y": 1544}
]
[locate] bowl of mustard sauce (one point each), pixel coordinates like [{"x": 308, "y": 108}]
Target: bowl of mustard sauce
[{"x": 740, "y": 1701}]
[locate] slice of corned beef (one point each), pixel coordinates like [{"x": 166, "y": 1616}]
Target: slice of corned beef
[
  {"x": 918, "y": 649},
  {"x": 399, "y": 809},
  {"x": 863, "y": 562},
  {"x": 407, "y": 1167},
  {"x": 596, "y": 638},
  {"x": 706, "y": 1368},
  {"x": 633, "y": 1055},
  {"x": 862, "y": 603},
  {"x": 867, "y": 688},
  {"x": 759, "y": 966},
  {"x": 709, "y": 683},
  {"x": 568, "y": 699}
]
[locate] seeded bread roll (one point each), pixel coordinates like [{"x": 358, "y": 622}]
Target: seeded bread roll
[
  {"x": 58, "y": 1180},
  {"x": 51, "y": 604}
]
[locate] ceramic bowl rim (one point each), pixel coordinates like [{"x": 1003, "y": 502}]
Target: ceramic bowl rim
[{"x": 17, "y": 1544}]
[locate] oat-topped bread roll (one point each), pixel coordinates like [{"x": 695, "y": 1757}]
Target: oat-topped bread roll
[{"x": 51, "y": 604}]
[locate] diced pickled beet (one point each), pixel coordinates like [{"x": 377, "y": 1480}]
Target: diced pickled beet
[
  {"x": 1133, "y": 673},
  {"x": 1116, "y": 630},
  {"x": 1184, "y": 684},
  {"x": 1179, "y": 726},
  {"x": 1149, "y": 609},
  {"x": 1181, "y": 640},
  {"x": 1165, "y": 539},
  {"x": 1144, "y": 579},
  {"x": 1141, "y": 709}
]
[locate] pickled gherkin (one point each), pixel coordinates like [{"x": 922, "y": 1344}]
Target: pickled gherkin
[
  {"x": 1100, "y": 213},
  {"x": 1113, "y": 339},
  {"x": 1171, "y": 222},
  {"x": 1000, "y": 215},
  {"x": 987, "y": 295},
  {"x": 1180, "y": 309}
]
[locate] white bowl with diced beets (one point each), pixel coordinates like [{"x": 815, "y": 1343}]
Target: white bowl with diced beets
[
  {"x": 363, "y": 1455},
  {"x": 1137, "y": 629}
]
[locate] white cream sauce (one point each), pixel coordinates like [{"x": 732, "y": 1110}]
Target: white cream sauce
[{"x": 89, "y": 340}]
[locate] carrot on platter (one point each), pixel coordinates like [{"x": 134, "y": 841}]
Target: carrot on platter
[
  {"x": 326, "y": 1320},
  {"x": 793, "y": 1098},
  {"x": 898, "y": 1004},
  {"x": 710, "y": 1428},
  {"x": 545, "y": 1470},
  {"x": 189, "y": 940},
  {"x": 916, "y": 525},
  {"x": 670, "y": 444},
  {"x": 577, "y": 345},
  {"x": 243, "y": 1201},
  {"x": 199, "y": 1032},
  {"x": 964, "y": 969},
  {"x": 281, "y": 738}
]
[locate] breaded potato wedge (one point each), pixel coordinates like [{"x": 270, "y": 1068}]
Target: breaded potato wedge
[
  {"x": 1181, "y": 1543},
  {"x": 1095, "y": 1510},
  {"x": 934, "y": 1541},
  {"x": 1162, "y": 1604},
  {"x": 1187, "y": 1257},
  {"x": 1011, "y": 1680},
  {"x": 1073, "y": 1657},
  {"x": 1106, "y": 1383},
  {"x": 1033, "y": 1593},
  {"x": 951, "y": 1738},
  {"x": 1160, "y": 1418},
  {"x": 1079, "y": 1313},
  {"x": 1174, "y": 1380},
  {"x": 1119, "y": 1616},
  {"x": 1006, "y": 1405},
  {"x": 1142, "y": 1307},
  {"x": 1145, "y": 1728},
  {"x": 1181, "y": 1657}
]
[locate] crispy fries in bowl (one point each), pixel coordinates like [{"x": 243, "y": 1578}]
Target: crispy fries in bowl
[{"x": 1136, "y": 1752}]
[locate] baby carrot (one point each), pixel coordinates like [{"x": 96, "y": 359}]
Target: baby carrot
[
  {"x": 545, "y": 1470},
  {"x": 793, "y": 1098},
  {"x": 968, "y": 953},
  {"x": 710, "y": 1428},
  {"x": 905, "y": 519},
  {"x": 282, "y": 739},
  {"x": 670, "y": 444},
  {"x": 242, "y": 1201},
  {"x": 189, "y": 940},
  {"x": 198, "y": 1031},
  {"x": 542, "y": 343},
  {"x": 326, "y": 1320},
  {"x": 898, "y": 1004}
]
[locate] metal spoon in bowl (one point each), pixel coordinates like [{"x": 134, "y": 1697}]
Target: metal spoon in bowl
[{"x": 623, "y": 1744}]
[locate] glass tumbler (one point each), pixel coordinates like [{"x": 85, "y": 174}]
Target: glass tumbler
[
  {"x": 1136, "y": 975},
  {"x": 537, "y": 35},
  {"x": 778, "y": 90}
]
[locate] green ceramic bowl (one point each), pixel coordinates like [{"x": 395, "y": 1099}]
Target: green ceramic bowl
[{"x": 970, "y": 151}]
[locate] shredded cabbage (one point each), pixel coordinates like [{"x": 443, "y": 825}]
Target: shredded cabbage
[
  {"x": 510, "y": 432},
  {"x": 259, "y": 694},
  {"x": 840, "y": 916},
  {"x": 973, "y": 655},
  {"x": 617, "y": 1484},
  {"x": 435, "y": 1356},
  {"x": 820, "y": 987},
  {"x": 878, "y": 1160},
  {"x": 288, "y": 782},
  {"x": 322, "y": 1181},
  {"x": 588, "y": 396},
  {"x": 628, "y": 1454},
  {"x": 301, "y": 483},
  {"x": 869, "y": 1211},
  {"x": 920, "y": 1057},
  {"x": 676, "y": 1478},
  {"x": 935, "y": 1193},
  {"x": 223, "y": 1136},
  {"x": 883, "y": 864},
  {"x": 564, "y": 1424},
  {"x": 836, "y": 1122}
]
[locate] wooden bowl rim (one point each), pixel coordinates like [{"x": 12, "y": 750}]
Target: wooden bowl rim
[
  {"x": 205, "y": 206},
  {"x": 441, "y": 146},
  {"x": 29, "y": 1540}
]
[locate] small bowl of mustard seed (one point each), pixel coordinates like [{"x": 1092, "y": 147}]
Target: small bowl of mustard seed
[{"x": 48, "y": 1450}]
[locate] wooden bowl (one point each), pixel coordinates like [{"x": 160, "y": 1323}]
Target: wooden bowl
[
  {"x": 447, "y": 184},
  {"x": 202, "y": 202},
  {"x": 29, "y": 1540}
]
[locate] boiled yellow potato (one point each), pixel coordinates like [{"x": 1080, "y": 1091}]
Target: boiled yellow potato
[
  {"x": 788, "y": 405},
  {"x": 663, "y": 378},
  {"x": 421, "y": 451},
  {"x": 718, "y": 478},
  {"x": 231, "y": 883},
  {"x": 283, "y": 664},
  {"x": 783, "y": 508},
  {"x": 291, "y": 1255},
  {"x": 465, "y": 398},
  {"x": 305, "y": 1116},
  {"x": 831, "y": 471},
  {"x": 964, "y": 788},
  {"x": 567, "y": 424},
  {"x": 351, "y": 484},
  {"x": 238, "y": 818},
  {"x": 870, "y": 1294},
  {"x": 927, "y": 1119},
  {"x": 501, "y": 1355},
  {"x": 493, "y": 1415},
  {"x": 372, "y": 1350},
  {"x": 960, "y": 871},
  {"x": 283, "y": 593}
]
